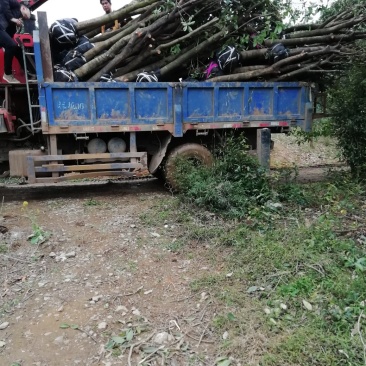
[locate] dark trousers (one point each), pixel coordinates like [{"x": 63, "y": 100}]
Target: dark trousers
[{"x": 12, "y": 49}]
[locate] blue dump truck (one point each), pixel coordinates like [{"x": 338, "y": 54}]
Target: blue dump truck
[{"x": 131, "y": 129}]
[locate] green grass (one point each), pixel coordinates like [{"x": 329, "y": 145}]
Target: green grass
[
  {"x": 296, "y": 255},
  {"x": 92, "y": 202},
  {"x": 3, "y": 248},
  {"x": 166, "y": 210},
  {"x": 298, "y": 273}
]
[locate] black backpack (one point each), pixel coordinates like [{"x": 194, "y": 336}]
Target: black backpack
[
  {"x": 83, "y": 45},
  {"x": 228, "y": 59},
  {"x": 107, "y": 78},
  {"x": 146, "y": 77},
  {"x": 61, "y": 74},
  {"x": 73, "y": 60},
  {"x": 64, "y": 32},
  {"x": 277, "y": 53}
]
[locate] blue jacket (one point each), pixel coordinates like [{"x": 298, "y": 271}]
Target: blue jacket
[{"x": 8, "y": 9}]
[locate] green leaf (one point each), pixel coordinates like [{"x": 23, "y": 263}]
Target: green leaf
[
  {"x": 110, "y": 345},
  {"x": 174, "y": 50},
  {"x": 231, "y": 316},
  {"x": 118, "y": 340},
  {"x": 129, "y": 335},
  {"x": 361, "y": 264},
  {"x": 64, "y": 326},
  {"x": 74, "y": 326},
  {"x": 278, "y": 29},
  {"x": 223, "y": 361},
  {"x": 252, "y": 289}
]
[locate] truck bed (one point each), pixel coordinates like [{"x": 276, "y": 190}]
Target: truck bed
[{"x": 84, "y": 107}]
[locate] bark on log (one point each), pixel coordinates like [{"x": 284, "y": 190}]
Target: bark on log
[{"x": 114, "y": 15}]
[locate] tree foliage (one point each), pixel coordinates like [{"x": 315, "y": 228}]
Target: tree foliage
[
  {"x": 178, "y": 40},
  {"x": 348, "y": 108},
  {"x": 339, "y": 6}
]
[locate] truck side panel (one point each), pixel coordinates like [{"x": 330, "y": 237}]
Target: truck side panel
[
  {"x": 106, "y": 107},
  {"x": 207, "y": 102}
]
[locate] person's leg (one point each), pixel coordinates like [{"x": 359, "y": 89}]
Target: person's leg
[
  {"x": 10, "y": 47},
  {"x": 19, "y": 56}
]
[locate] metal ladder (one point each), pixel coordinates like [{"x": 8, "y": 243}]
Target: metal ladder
[{"x": 27, "y": 81}]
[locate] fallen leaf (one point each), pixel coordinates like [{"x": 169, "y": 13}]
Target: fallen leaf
[
  {"x": 231, "y": 316},
  {"x": 307, "y": 305},
  {"x": 129, "y": 335},
  {"x": 119, "y": 340},
  {"x": 223, "y": 361},
  {"x": 252, "y": 289}
]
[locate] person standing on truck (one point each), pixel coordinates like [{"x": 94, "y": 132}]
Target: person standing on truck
[
  {"x": 107, "y": 7},
  {"x": 11, "y": 17}
]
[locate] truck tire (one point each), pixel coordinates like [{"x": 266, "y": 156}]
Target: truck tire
[{"x": 191, "y": 151}]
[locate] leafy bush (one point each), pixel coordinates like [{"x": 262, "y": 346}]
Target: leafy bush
[
  {"x": 320, "y": 128},
  {"x": 348, "y": 108},
  {"x": 232, "y": 186}
]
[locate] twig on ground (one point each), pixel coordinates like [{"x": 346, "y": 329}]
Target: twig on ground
[
  {"x": 89, "y": 335},
  {"x": 204, "y": 310},
  {"x": 176, "y": 324},
  {"x": 202, "y": 335},
  {"x": 16, "y": 259},
  {"x": 129, "y": 294},
  {"x": 28, "y": 297},
  {"x": 185, "y": 298},
  {"x": 151, "y": 354},
  {"x": 321, "y": 271},
  {"x": 137, "y": 344},
  {"x": 196, "y": 339}
]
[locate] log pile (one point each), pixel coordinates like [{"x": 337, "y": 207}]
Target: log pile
[{"x": 176, "y": 41}]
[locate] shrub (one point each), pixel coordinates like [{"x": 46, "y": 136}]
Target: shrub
[
  {"x": 348, "y": 108},
  {"x": 232, "y": 186}
]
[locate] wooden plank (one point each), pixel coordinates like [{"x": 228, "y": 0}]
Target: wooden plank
[
  {"x": 70, "y": 168},
  {"x": 83, "y": 175},
  {"x": 90, "y": 156},
  {"x": 44, "y": 40},
  {"x": 30, "y": 169}
]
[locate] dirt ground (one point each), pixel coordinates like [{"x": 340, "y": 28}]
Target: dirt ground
[
  {"x": 102, "y": 271},
  {"x": 100, "y": 284}
]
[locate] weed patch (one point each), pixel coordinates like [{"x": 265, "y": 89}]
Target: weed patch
[
  {"x": 231, "y": 187},
  {"x": 300, "y": 274},
  {"x": 38, "y": 235}
]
